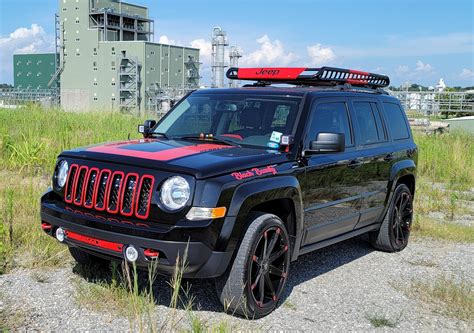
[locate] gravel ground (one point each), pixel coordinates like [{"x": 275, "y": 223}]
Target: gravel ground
[{"x": 339, "y": 288}]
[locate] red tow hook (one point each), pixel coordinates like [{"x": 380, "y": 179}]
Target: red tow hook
[
  {"x": 46, "y": 226},
  {"x": 151, "y": 254}
]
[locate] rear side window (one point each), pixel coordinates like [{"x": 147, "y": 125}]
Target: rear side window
[
  {"x": 370, "y": 123},
  {"x": 396, "y": 121},
  {"x": 332, "y": 118}
]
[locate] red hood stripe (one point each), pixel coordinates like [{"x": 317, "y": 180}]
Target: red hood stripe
[{"x": 164, "y": 155}]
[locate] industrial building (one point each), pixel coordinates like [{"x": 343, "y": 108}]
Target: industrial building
[{"x": 107, "y": 59}]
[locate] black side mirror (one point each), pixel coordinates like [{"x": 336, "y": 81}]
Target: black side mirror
[
  {"x": 146, "y": 127},
  {"x": 328, "y": 143}
]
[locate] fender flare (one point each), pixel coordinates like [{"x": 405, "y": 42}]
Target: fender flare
[
  {"x": 399, "y": 169},
  {"x": 253, "y": 193}
]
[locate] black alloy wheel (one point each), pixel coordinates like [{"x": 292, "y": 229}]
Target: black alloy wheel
[{"x": 268, "y": 268}]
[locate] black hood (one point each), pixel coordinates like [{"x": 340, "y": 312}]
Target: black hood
[{"x": 202, "y": 159}]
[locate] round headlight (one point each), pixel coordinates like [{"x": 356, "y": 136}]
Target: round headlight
[
  {"x": 61, "y": 175},
  {"x": 175, "y": 193}
]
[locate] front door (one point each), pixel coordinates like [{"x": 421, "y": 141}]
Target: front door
[{"x": 331, "y": 187}]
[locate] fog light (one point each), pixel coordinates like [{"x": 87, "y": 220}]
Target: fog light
[
  {"x": 60, "y": 234},
  {"x": 131, "y": 253}
]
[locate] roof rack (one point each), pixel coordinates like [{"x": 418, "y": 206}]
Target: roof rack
[{"x": 324, "y": 76}]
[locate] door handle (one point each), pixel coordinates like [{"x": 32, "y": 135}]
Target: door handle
[
  {"x": 389, "y": 157},
  {"x": 354, "y": 164}
]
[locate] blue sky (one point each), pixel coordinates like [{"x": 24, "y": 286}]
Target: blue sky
[{"x": 419, "y": 41}]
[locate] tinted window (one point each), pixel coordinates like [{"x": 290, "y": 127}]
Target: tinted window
[
  {"x": 332, "y": 118},
  {"x": 370, "y": 123},
  {"x": 366, "y": 122},
  {"x": 396, "y": 120}
]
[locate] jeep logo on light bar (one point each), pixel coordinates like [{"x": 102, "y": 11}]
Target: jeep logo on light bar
[{"x": 264, "y": 71}]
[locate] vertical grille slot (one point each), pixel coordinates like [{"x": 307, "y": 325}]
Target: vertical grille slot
[
  {"x": 70, "y": 183},
  {"x": 144, "y": 197},
  {"x": 79, "y": 185},
  {"x": 102, "y": 187},
  {"x": 114, "y": 191},
  {"x": 128, "y": 194},
  {"x": 90, "y": 187}
]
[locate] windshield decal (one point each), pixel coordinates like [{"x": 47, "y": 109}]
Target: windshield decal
[
  {"x": 254, "y": 172},
  {"x": 125, "y": 149}
]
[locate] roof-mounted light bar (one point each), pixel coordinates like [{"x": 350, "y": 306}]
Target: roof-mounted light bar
[{"x": 324, "y": 76}]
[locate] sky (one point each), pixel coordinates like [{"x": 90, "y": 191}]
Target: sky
[{"x": 416, "y": 41}]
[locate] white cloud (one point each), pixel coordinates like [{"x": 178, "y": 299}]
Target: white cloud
[
  {"x": 205, "y": 48},
  {"x": 22, "y": 40},
  {"x": 165, "y": 40},
  {"x": 320, "y": 56},
  {"x": 422, "y": 67},
  {"x": 467, "y": 74},
  {"x": 269, "y": 53},
  {"x": 402, "y": 70}
]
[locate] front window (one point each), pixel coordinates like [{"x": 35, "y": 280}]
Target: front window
[{"x": 247, "y": 120}]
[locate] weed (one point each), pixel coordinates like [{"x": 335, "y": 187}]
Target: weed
[
  {"x": 289, "y": 305},
  {"x": 427, "y": 227},
  {"x": 453, "y": 298},
  {"x": 381, "y": 321}
]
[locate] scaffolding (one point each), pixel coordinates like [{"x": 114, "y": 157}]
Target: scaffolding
[
  {"x": 219, "y": 42},
  {"x": 58, "y": 57},
  {"x": 234, "y": 56},
  {"x": 192, "y": 72},
  {"x": 130, "y": 83},
  {"x": 115, "y": 25}
]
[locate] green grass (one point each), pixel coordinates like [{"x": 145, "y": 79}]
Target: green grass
[
  {"x": 378, "y": 321},
  {"x": 447, "y": 296}
]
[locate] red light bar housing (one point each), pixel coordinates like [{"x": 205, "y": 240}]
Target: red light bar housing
[{"x": 324, "y": 76}]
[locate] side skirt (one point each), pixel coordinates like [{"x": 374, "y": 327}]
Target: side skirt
[{"x": 337, "y": 239}]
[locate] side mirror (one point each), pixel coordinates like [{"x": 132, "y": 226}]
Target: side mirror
[
  {"x": 328, "y": 143},
  {"x": 146, "y": 127}
]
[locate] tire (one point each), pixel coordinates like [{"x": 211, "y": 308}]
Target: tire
[
  {"x": 240, "y": 289},
  {"x": 84, "y": 258},
  {"x": 394, "y": 232}
]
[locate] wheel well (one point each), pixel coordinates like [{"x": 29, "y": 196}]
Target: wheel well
[
  {"x": 408, "y": 180},
  {"x": 283, "y": 208}
]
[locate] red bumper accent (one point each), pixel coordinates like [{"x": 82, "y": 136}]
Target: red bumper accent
[{"x": 116, "y": 247}]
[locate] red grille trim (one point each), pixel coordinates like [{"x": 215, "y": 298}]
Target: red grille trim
[
  {"x": 134, "y": 194},
  {"x": 105, "y": 171},
  {"x": 116, "y": 247},
  {"x": 84, "y": 189},
  {"x": 145, "y": 216},
  {"x": 76, "y": 180},
  {"x": 70, "y": 184},
  {"x": 119, "y": 192}
]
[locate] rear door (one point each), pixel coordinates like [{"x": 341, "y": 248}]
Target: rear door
[
  {"x": 375, "y": 153},
  {"x": 331, "y": 187}
]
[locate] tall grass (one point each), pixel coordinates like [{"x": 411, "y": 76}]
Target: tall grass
[{"x": 31, "y": 139}]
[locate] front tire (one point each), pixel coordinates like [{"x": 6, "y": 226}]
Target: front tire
[
  {"x": 395, "y": 229},
  {"x": 255, "y": 282}
]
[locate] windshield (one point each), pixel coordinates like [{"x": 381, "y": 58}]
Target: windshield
[{"x": 241, "y": 119}]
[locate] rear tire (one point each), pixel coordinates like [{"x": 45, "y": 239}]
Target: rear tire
[
  {"x": 252, "y": 287},
  {"x": 84, "y": 258},
  {"x": 395, "y": 229}
]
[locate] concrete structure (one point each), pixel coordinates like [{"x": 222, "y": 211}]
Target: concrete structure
[
  {"x": 33, "y": 71},
  {"x": 107, "y": 59}
]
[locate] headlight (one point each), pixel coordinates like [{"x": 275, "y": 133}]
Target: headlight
[
  {"x": 175, "y": 193},
  {"x": 61, "y": 173}
]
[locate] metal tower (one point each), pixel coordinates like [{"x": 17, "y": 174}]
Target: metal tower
[
  {"x": 234, "y": 56},
  {"x": 219, "y": 42}
]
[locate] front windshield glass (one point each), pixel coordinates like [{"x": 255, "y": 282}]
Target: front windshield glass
[{"x": 241, "y": 119}]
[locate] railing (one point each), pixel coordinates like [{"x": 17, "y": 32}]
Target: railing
[
  {"x": 435, "y": 102},
  {"x": 10, "y": 98}
]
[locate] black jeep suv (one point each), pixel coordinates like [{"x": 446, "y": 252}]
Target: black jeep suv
[{"x": 245, "y": 180}]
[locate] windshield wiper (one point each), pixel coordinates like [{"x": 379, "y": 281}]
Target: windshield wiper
[
  {"x": 211, "y": 138},
  {"x": 161, "y": 134}
]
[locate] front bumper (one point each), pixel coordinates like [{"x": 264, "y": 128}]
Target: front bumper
[{"x": 201, "y": 261}]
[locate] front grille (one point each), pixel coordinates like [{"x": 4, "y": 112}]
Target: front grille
[{"x": 117, "y": 193}]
